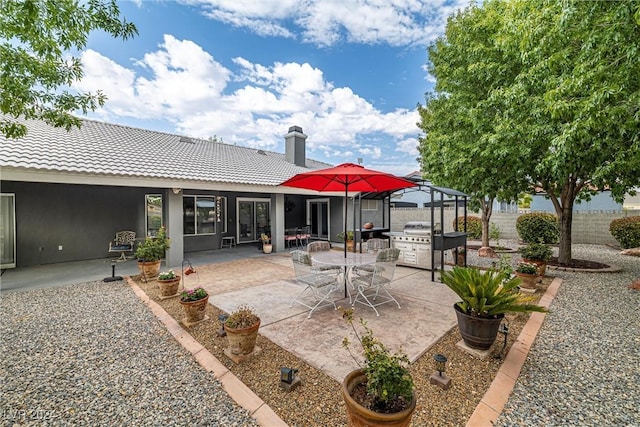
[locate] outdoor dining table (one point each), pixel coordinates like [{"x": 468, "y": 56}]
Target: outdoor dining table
[{"x": 347, "y": 263}]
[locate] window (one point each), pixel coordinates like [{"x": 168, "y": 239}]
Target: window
[
  {"x": 369, "y": 205},
  {"x": 200, "y": 215},
  {"x": 153, "y": 209}
]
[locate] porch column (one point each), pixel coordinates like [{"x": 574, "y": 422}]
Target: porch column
[
  {"x": 277, "y": 222},
  {"x": 173, "y": 224}
]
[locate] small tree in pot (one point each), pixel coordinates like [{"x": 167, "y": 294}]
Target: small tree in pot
[
  {"x": 380, "y": 393},
  {"x": 486, "y": 297},
  {"x": 150, "y": 252}
]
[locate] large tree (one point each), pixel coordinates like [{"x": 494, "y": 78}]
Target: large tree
[
  {"x": 37, "y": 41},
  {"x": 572, "y": 111},
  {"x": 459, "y": 148}
]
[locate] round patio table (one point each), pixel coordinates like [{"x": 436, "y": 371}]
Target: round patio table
[{"x": 352, "y": 260}]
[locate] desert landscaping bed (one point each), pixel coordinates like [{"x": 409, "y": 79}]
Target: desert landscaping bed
[{"x": 318, "y": 402}]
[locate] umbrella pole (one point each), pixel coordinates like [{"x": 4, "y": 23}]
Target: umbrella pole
[{"x": 346, "y": 206}]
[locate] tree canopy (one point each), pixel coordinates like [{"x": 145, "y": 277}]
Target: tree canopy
[
  {"x": 37, "y": 38},
  {"x": 556, "y": 105}
]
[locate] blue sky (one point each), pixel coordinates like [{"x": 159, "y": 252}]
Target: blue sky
[{"x": 349, "y": 72}]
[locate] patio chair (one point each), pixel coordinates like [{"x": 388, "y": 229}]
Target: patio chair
[
  {"x": 304, "y": 234},
  {"x": 320, "y": 285},
  {"x": 124, "y": 242},
  {"x": 373, "y": 285},
  {"x": 376, "y": 244},
  {"x": 323, "y": 246},
  {"x": 291, "y": 236}
]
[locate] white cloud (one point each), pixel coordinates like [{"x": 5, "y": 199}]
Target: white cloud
[
  {"x": 185, "y": 85},
  {"x": 327, "y": 22}
]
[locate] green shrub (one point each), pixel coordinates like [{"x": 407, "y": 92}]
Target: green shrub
[
  {"x": 626, "y": 231},
  {"x": 538, "y": 227},
  {"x": 474, "y": 226}
]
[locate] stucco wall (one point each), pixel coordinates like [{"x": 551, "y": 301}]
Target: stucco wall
[{"x": 588, "y": 227}]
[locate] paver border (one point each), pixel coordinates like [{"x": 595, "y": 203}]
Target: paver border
[
  {"x": 494, "y": 400},
  {"x": 237, "y": 390}
]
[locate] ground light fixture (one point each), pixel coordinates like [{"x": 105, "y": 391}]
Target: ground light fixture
[
  {"x": 288, "y": 379},
  {"x": 222, "y": 318},
  {"x": 440, "y": 378},
  {"x": 113, "y": 277}
]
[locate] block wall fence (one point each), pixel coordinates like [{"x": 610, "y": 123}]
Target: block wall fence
[{"x": 591, "y": 227}]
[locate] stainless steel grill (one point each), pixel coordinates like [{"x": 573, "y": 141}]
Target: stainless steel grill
[{"x": 414, "y": 242}]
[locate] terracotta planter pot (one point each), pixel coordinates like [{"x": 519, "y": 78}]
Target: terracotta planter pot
[
  {"x": 169, "y": 287},
  {"x": 528, "y": 280},
  {"x": 542, "y": 265},
  {"x": 195, "y": 310},
  {"x": 267, "y": 248},
  {"x": 149, "y": 270},
  {"x": 460, "y": 260},
  {"x": 350, "y": 246},
  {"x": 242, "y": 341},
  {"x": 478, "y": 332},
  {"x": 360, "y": 416}
]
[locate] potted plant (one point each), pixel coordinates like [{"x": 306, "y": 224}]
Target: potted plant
[
  {"x": 348, "y": 241},
  {"x": 527, "y": 272},
  {"x": 194, "y": 302},
  {"x": 537, "y": 253},
  {"x": 150, "y": 252},
  {"x": 461, "y": 258},
  {"x": 486, "y": 297},
  {"x": 380, "y": 393},
  {"x": 168, "y": 281},
  {"x": 242, "y": 330},
  {"x": 267, "y": 247}
]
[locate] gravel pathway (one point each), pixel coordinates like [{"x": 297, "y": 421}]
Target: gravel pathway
[
  {"x": 584, "y": 367},
  {"x": 93, "y": 354}
]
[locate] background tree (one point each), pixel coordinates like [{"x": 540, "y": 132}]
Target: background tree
[
  {"x": 563, "y": 102},
  {"x": 576, "y": 103},
  {"x": 36, "y": 40},
  {"x": 459, "y": 148}
]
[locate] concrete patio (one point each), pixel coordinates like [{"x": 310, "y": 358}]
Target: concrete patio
[
  {"x": 243, "y": 275},
  {"x": 268, "y": 285}
]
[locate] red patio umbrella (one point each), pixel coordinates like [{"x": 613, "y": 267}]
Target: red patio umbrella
[{"x": 348, "y": 177}]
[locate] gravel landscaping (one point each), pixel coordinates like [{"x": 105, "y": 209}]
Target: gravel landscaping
[{"x": 92, "y": 354}]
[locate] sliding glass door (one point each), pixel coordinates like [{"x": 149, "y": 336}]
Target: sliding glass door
[
  {"x": 318, "y": 218},
  {"x": 253, "y": 219}
]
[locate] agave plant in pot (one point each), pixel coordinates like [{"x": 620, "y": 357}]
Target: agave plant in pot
[
  {"x": 486, "y": 297},
  {"x": 194, "y": 302},
  {"x": 381, "y": 392},
  {"x": 150, "y": 252},
  {"x": 242, "y": 331}
]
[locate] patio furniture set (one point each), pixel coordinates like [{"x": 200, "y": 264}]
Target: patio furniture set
[{"x": 323, "y": 272}]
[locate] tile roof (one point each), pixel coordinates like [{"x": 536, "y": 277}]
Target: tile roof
[{"x": 115, "y": 150}]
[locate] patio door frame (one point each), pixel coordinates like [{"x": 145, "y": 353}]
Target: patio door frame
[
  {"x": 254, "y": 237},
  {"x": 8, "y": 230},
  {"x": 319, "y": 219}
]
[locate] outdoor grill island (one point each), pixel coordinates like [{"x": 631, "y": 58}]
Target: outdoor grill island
[{"x": 414, "y": 242}]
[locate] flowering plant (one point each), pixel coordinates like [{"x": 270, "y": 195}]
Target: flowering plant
[
  {"x": 265, "y": 238},
  {"x": 194, "y": 294},
  {"x": 167, "y": 275},
  {"x": 526, "y": 268}
]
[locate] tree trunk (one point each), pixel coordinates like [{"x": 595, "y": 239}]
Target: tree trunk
[
  {"x": 486, "y": 209},
  {"x": 564, "y": 211}
]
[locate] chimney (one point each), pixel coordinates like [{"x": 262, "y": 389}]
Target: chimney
[{"x": 295, "y": 146}]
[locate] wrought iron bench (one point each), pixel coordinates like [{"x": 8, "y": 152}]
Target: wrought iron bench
[{"x": 124, "y": 242}]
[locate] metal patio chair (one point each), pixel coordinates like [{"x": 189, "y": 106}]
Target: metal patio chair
[
  {"x": 124, "y": 242},
  {"x": 373, "y": 285},
  {"x": 319, "y": 284}
]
